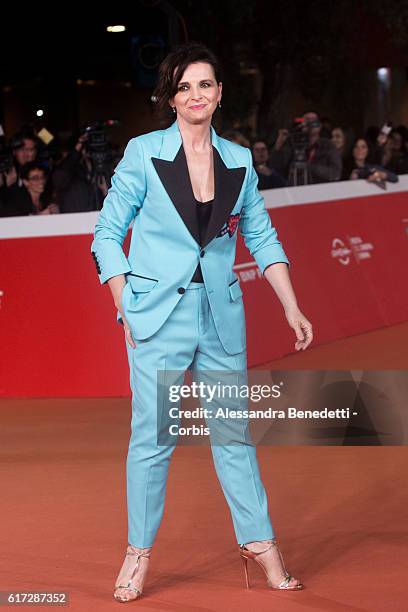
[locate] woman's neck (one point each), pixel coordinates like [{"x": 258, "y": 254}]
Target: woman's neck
[{"x": 196, "y": 137}]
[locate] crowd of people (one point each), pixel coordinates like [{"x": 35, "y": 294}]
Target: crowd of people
[
  {"x": 329, "y": 153},
  {"x": 33, "y": 182},
  {"x": 312, "y": 151}
]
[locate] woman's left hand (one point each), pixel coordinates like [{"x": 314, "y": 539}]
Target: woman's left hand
[
  {"x": 302, "y": 327},
  {"x": 53, "y": 208},
  {"x": 377, "y": 175}
]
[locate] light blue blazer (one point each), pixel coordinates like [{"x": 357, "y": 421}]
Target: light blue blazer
[{"x": 151, "y": 186}]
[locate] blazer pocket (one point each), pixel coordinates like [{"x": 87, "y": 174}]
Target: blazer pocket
[
  {"x": 235, "y": 290},
  {"x": 139, "y": 288},
  {"x": 141, "y": 284}
]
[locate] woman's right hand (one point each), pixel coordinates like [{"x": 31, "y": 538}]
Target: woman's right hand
[
  {"x": 128, "y": 333},
  {"x": 382, "y": 139},
  {"x": 116, "y": 285},
  {"x": 281, "y": 139}
]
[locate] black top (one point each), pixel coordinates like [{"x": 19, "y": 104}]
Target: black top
[
  {"x": 203, "y": 215},
  {"x": 203, "y": 210}
]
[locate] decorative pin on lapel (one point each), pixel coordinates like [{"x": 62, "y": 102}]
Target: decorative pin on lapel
[{"x": 230, "y": 226}]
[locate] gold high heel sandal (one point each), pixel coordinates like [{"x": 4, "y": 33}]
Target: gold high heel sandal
[
  {"x": 136, "y": 589},
  {"x": 249, "y": 554}
]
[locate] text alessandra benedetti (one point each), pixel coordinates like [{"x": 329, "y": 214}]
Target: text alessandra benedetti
[{"x": 269, "y": 413}]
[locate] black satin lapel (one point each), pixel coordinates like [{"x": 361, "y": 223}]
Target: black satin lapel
[
  {"x": 228, "y": 183},
  {"x": 176, "y": 181}
]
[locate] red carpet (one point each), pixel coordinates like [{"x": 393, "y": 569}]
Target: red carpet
[{"x": 339, "y": 512}]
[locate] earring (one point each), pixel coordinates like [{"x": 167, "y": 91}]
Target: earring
[
  {"x": 219, "y": 103},
  {"x": 174, "y": 109}
]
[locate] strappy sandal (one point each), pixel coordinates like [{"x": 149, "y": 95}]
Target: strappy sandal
[
  {"x": 128, "y": 586},
  {"x": 249, "y": 554}
]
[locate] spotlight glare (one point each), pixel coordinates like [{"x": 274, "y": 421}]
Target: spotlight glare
[
  {"x": 116, "y": 28},
  {"x": 383, "y": 74},
  {"x": 39, "y": 112}
]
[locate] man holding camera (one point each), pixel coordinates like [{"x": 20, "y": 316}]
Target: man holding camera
[
  {"x": 78, "y": 189},
  {"x": 320, "y": 156}
]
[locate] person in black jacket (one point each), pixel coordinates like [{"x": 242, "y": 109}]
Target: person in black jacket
[
  {"x": 268, "y": 178},
  {"x": 24, "y": 147},
  {"x": 362, "y": 164},
  {"x": 31, "y": 198},
  {"x": 74, "y": 182}
]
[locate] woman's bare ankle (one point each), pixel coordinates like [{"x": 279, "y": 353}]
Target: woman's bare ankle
[
  {"x": 258, "y": 545},
  {"x": 139, "y": 548}
]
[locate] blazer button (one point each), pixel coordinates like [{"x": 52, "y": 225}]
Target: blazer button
[
  {"x": 202, "y": 253},
  {"x": 181, "y": 290}
]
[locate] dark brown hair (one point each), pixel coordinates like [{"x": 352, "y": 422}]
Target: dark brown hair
[
  {"x": 179, "y": 58},
  {"x": 29, "y": 167}
]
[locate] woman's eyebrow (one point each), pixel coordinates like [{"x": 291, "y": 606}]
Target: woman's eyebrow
[{"x": 201, "y": 81}]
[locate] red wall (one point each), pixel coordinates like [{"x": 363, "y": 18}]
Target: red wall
[{"x": 59, "y": 335}]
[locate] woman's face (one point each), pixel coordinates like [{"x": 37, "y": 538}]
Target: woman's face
[
  {"x": 36, "y": 181},
  {"x": 360, "y": 150},
  {"x": 338, "y": 138},
  {"x": 198, "y": 93},
  {"x": 260, "y": 152}
]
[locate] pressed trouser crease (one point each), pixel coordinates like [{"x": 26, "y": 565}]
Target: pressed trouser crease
[{"x": 187, "y": 340}]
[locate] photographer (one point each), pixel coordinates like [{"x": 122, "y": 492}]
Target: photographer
[
  {"x": 320, "y": 156},
  {"x": 23, "y": 151},
  {"x": 77, "y": 187}
]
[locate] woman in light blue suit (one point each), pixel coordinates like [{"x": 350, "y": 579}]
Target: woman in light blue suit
[{"x": 187, "y": 191}]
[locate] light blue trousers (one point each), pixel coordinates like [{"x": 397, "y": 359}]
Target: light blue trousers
[{"x": 187, "y": 340}]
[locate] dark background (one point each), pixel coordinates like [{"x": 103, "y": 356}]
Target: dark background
[{"x": 280, "y": 58}]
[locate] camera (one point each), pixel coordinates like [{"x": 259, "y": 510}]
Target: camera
[
  {"x": 366, "y": 171},
  {"x": 98, "y": 146},
  {"x": 298, "y": 138},
  {"x": 6, "y": 160}
]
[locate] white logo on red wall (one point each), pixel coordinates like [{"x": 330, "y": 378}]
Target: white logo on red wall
[
  {"x": 356, "y": 248},
  {"x": 247, "y": 271}
]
